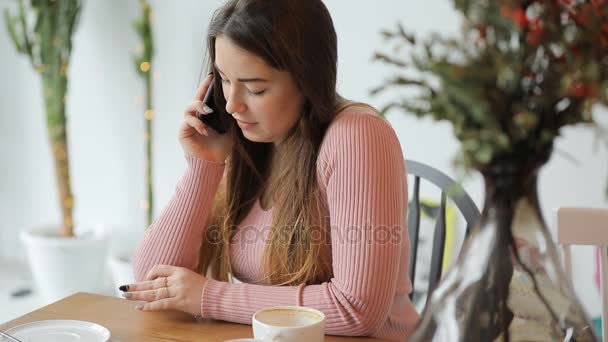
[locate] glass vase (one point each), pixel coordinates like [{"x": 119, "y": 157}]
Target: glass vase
[{"x": 508, "y": 283}]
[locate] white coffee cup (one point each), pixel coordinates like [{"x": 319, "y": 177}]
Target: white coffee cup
[{"x": 289, "y": 323}]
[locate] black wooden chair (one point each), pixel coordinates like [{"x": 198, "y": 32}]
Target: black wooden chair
[{"x": 449, "y": 188}]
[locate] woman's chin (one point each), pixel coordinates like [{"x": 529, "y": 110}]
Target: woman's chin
[{"x": 252, "y": 136}]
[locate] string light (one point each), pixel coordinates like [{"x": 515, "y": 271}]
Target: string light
[
  {"x": 64, "y": 69},
  {"x": 40, "y": 68},
  {"x": 144, "y": 66},
  {"x": 144, "y": 57}
]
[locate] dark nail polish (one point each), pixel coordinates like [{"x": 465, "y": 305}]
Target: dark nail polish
[{"x": 124, "y": 288}]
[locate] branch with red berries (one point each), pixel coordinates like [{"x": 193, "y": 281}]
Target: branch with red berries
[{"x": 520, "y": 71}]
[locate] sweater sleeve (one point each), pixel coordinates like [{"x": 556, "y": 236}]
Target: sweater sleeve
[
  {"x": 363, "y": 174},
  {"x": 175, "y": 237}
]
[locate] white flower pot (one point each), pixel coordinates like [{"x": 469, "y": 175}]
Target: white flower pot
[
  {"x": 63, "y": 266},
  {"x": 122, "y": 272}
]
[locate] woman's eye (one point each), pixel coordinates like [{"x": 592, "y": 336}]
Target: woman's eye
[{"x": 256, "y": 93}]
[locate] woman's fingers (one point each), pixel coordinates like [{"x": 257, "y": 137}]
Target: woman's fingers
[
  {"x": 162, "y": 271},
  {"x": 202, "y": 89},
  {"x": 172, "y": 287},
  {"x": 149, "y": 295},
  {"x": 145, "y": 285},
  {"x": 191, "y": 117},
  {"x": 163, "y": 304},
  {"x": 194, "y": 108},
  {"x": 197, "y": 124}
]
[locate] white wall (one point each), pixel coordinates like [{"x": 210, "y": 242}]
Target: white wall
[{"x": 106, "y": 120}]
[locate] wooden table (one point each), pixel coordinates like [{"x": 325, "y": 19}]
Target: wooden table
[{"x": 129, "y": 325}]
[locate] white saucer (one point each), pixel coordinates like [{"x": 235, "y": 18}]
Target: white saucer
[{"x": 60, "y": 331}]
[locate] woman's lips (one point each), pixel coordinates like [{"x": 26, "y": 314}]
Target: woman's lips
[{"x": 244, "y": 124}]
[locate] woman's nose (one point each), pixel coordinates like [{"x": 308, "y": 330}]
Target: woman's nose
[{"x": 234, "y": 103}]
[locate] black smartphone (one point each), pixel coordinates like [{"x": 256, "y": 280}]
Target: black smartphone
[{"x": 218, "y": 118}]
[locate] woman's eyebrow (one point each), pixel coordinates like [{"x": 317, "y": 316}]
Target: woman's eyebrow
[{"x": 244, "y": 80}]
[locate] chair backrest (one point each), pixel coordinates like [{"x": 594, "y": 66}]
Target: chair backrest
[
  {"x": 586, "y": 226},
  {"x": 449, "y": 188}
]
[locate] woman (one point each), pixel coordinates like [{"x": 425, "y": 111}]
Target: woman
[{"x": 302, "y": 202}]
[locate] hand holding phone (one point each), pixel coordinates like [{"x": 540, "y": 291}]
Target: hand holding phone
[
  {"x": 195, "y": 135},
  {"x": 213, "y": 119}
]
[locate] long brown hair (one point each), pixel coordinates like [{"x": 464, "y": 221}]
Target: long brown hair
[{"x": 296, "y": 36}]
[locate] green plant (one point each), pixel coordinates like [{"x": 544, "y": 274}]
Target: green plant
[
  {"x": 143, "y": 65},
  {"x": 42, "y": 30},
  {"x": 520, "y": 71}
]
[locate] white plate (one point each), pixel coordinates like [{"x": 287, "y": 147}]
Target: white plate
[{"x": 60, "y": 331}]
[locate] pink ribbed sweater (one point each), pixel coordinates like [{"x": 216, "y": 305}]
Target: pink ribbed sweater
[{"x": 363, "y": 181}]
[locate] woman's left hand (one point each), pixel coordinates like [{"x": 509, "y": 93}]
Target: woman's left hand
[{"x": 168, "y": 288}]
